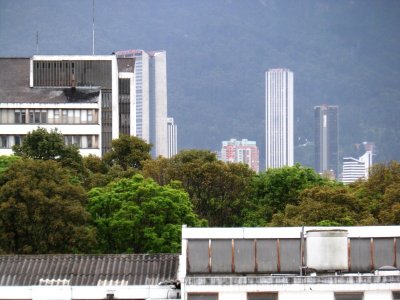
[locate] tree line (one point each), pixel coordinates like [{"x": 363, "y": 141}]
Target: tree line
[{"x": 53, "y": 200}]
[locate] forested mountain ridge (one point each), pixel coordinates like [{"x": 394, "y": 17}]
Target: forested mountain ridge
[{"x": 344, "y": 53}]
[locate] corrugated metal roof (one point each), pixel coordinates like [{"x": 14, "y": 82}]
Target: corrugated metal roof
[{"x": 128, "y": 269}]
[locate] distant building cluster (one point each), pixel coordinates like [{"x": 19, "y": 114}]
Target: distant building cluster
[
  {"x": 90, "y": 99},
  {"x": 243, "y": 151},
  {"x": 279, "y": 133}
]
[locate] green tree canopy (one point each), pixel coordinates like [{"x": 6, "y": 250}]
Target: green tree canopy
[
  {"x": 220, "y": 192},
  {"x": 277, "y": 188},
  {"x": 138, "y": 215},
  {"x": 325, "y": 205},
  {"x": 6, "y": 161},
  {"x": 128, "y": 151},
  {"x": 41, "y": 211},
  {"x": 381, "y": 192},
  {"x": 44, "y": 145}
]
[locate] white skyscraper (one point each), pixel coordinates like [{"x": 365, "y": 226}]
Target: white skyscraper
[
  {"x": 151, "y": 97},
  {"x": 279, "y": 118},
  {"x": 172, "y": 137}
]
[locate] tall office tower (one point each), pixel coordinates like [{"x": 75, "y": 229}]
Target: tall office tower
[
  {"x": 279, "y": 118},
  {"x": 172, "y": 137},
  {"x": 151, "y": 97},
  {"x": 354, "y": 169},
  {"x": 243, "y": 151},
  {"x": 326, "y": 139}
]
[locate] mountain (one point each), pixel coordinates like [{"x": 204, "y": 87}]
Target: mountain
[{"x": 344, "y": 53}]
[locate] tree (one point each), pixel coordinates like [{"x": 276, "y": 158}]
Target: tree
[
  {"x": 44, "y": 145},
  {"x": 41, "y": 211},
  {"x": 128, "y": 151},
  {"x": 277, "y": 188},
  {"x": 137, "y": 215},
  {"x": 220, "y": 192},
  {"x": 325, "y": 205},
  {"x": 381, "y": 192},
  {"x": 6, "y": 161}
]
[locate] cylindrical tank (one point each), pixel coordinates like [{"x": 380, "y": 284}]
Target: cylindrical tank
[{"x": 327, "y": 250}]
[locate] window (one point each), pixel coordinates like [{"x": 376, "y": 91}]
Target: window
[
  {"x": 64, "y": 116},
  {"x": 203, "y": 296},
  {"x": 262, "y": 296},
  {"x": 396, "y": 295},
  {"x": 57, "y": 116},
  {"x": 349, "y": 296},
  {"x": 17, "y": 140},
  {"x": 3, "y": 141}
]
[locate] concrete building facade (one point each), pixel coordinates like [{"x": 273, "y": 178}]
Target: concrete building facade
[
  {"x": 90, "y": 99},
  {"x": 326, "y": 139},
  {"x": 279, "y": 118}
]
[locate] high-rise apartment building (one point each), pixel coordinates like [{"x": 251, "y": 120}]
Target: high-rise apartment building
[
  {"x": 243, "y": 151},
  {"x": 172, "y": 137},
  {"x": 151, "y": 97},
  {"x": 279, "y": 118},
  {"x": 355, "y": 169},
  {"x": 326, "y": 139}
]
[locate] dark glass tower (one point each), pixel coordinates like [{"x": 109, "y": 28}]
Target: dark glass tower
[{"x": 326, "y": 139}]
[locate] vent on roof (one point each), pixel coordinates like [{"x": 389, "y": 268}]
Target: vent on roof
[
  {"x": 111, "y": 282},
  {"x": 47, "y": 281}
]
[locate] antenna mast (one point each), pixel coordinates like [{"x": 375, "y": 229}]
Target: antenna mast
[
  {"x": 93, "y": 30},
  {"x": 37, "y": 42}
]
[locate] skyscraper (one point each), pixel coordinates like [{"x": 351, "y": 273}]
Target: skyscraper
[
  {"x": 243, "y": 151},
  {"x": 279, "y": 118},
  {"x": 151, "y": 97},
  {"x": 326, "y": 139},
  {"x": 172, "y": 137}
]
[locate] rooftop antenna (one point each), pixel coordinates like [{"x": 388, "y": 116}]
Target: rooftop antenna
[
  {"x": 93, "y": 30},
  {"x": 37, "y": 42}
]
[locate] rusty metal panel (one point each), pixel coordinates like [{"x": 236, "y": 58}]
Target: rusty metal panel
[
  {"x": 197, "y": 256},
  {"x": 289, "y": 253},
  {"x": 267, "y": 258},
  {"x": 384, "y": 252},
  {"x": 244, "y": 256},
  {"x": 360, "y": 254},
  {"x": 262, "y": 296},
  {"x": 397, "y": 252},
  {"x": 202, "y": 296},
  {"x": 221, "y": 256}
]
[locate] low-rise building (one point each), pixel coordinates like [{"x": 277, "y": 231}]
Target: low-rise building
[{"x": 293, "y": 263}]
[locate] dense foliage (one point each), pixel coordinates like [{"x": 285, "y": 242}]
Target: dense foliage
[
  {"x": 41, "y": 211},
  {"x": 50, "y": 206},
  {"x": 138, "y": 215}
]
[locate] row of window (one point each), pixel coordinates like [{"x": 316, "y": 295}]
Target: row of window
[
  {"x": 274, "y": 296},
  {"x": 48, "y": 116},
  {"x": 81, "y": 141}
]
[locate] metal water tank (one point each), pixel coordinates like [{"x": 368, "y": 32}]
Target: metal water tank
[{"x": 327, "y": 250}]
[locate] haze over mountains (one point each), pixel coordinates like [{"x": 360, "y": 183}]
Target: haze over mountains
[{"x": 344, "y": 53}]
